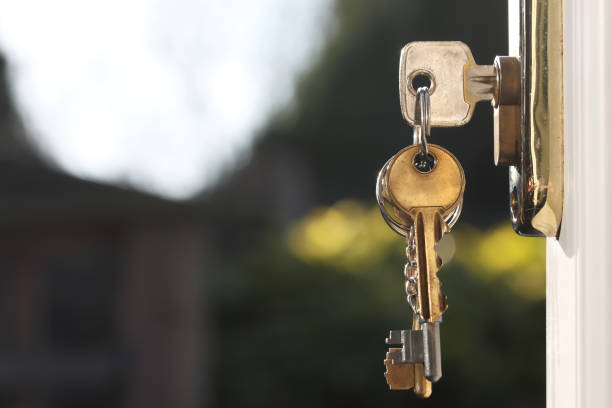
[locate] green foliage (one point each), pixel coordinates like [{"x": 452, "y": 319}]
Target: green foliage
[{"x": 294, "y": 334}]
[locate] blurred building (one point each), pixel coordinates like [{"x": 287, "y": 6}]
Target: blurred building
[{"x": 101, "y": 289}]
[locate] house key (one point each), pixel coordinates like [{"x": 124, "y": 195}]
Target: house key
[{"x": 420, "y": 193}]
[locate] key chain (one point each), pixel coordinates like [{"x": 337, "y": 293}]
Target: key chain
[{"x": 420, "y": 195}]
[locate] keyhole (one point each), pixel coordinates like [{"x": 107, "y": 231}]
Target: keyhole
[
  {"x": 421, "y": 80},
  {"x": 424, "y": 162}
]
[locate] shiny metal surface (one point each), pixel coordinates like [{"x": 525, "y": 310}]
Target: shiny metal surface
[
  {"x": 526, "y": 90},
  {"x": 422, "y": 386},
  {"x": 413, "y": 199},
  {"x": 399, "y": 376},
  {"x": 536, "y": 183},
  {"x": 432, "y": 354},
  {"x": 423, "y": 112},
  {"x": 412, "y": 346},
  {"x": 443, "y": 62},
  {"x": 426, "y": 198},
  {"x": 395, "y": 219},
  {"x": 458, "y": 83},
  {"x": 507, "y": 112},
  {"x": 408, "y": 188},
  {"x": 404, "y": 375}
]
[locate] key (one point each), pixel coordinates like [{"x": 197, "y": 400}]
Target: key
[
  {"x": 457, "y": 82},
  {"x": 419, "y": 194},
  {"x": 420, "y": 346},
  {"x": 425, "y": 201}
]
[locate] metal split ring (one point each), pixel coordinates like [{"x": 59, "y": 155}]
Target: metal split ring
[{"x": 422, "y": 128}]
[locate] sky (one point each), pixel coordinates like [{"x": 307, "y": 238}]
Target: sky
[{"x": 162, "y": 95}]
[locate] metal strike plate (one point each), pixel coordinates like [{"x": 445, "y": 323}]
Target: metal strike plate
[{"x": 536, "y": 180}]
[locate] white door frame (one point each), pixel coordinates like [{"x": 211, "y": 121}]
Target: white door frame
[{"x": 578, "y": 279}]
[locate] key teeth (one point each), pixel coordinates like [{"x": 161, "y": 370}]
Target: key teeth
[
  {"x": 443, "y": 305},
  {"x": 443, "y": 297},
  {"x": 444, "y": 229},
  {"x": 432, "y": 304}
]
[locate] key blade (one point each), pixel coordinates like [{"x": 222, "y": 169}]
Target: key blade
[
  {"x": 429, "y": 228},
  {"x": 432, "y": 355},
  {"x": 422, "y": 386}
]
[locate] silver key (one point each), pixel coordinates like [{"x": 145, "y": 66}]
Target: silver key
[{"x": 457, "y": 82}]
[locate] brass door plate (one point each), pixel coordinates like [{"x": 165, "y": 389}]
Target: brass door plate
[{"x": 536, "y": 180}]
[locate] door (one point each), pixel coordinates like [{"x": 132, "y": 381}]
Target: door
[{"x": 579, "y": 282}]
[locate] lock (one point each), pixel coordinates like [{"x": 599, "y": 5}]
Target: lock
[
  {"x": 526, "y": 93},
  {"x": 420, "y": 189},
  {"x": 462, "y": 84},
  {"x": 536, "y": 180},
  {"x": 507, "y": 112}
]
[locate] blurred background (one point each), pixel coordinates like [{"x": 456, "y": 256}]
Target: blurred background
[{"x": 188, "y": 210}]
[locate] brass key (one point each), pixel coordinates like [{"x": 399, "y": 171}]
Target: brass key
[
  {"x": 424, "y": 200},
  {"x": 420, "y": 194},
  {"x": 420, "y": 190}
]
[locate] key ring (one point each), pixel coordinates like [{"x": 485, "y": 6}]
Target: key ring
[
  {"x": 422, "y": 112},
  {"x": 424, "y": 161}
]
